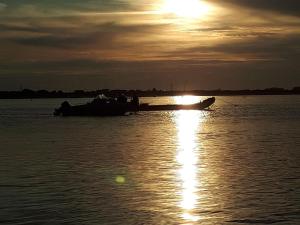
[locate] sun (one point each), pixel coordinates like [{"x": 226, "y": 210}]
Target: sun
[{"x": 186, "y": 8}]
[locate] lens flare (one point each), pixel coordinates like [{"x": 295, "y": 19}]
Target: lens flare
[{"x": 120, "y": 180}]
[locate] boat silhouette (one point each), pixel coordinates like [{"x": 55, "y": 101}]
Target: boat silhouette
[{"x": 104, "y": 106}]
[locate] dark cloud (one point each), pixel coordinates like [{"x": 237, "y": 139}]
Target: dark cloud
[
  {"x": 285, "y": 47},
  {"x": 18, "y": 28},
  {"x": 103, "y": 35},
  {"x": 264, "y": 48},
  {"x": 54, "y": 41},
  {"x": 72, "y": 44},
  {"x": 192, "y": 74},
  {"x": 291, "y": 7},
  {"x": 2, "y": 6},
  {"x": 67, "y": 5}
]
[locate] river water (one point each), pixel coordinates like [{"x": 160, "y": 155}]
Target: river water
[{"x": 236, "y": 164}]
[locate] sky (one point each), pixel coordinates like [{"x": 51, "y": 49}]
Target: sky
[{"x": 143, "y": 44}]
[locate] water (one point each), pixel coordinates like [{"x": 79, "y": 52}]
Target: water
[{"x": 234, "y": 165}]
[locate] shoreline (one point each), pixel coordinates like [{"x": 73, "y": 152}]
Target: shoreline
[{"x": 43, "y": 94}]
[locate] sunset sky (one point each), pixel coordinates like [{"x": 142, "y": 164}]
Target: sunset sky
[{"x": 140, "y": 44}]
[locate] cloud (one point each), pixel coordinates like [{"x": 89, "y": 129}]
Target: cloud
[
  {"x": 282, "y": 47},
  {"x": 2, "y": 6},
  {"x": 92, "y": 74},
  {"x": 104, "y": 36},
  {"x": 289, "y": 7},
  {"x": 266, "y": 48},
  {"x": 54, "y": 8},
  {"x": 78, "y": 38},
  {"x": 114, "y": 38}
]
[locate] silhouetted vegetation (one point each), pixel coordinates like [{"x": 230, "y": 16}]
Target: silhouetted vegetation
[{"x": 27, "y": 93}]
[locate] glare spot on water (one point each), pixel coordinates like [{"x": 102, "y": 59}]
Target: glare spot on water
[{"x": 190, "y": 217}]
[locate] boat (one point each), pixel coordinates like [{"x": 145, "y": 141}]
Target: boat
[
  {"x": 100, "y": 106},
  {"x": 104, "y": 106},
  {"x": 197, "y": 106}
]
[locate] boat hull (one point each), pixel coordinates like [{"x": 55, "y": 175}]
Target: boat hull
[
  {"x": 120, "y": 109},
  {"x": 198, "y": 106},
  {"x": 93, "y": 110}
]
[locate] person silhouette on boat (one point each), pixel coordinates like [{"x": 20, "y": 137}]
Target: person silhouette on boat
[
  {"x": 135, "y": 100},
  {"x": 122, "y": 99},
  {"x": 100, "y": 99}
]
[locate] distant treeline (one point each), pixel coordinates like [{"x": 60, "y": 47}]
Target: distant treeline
[{"x": 27, "y": 93}]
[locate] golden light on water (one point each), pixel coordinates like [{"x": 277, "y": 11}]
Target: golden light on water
[
  {"x": 188, "y": 126},
  {"x": 186, "y": 8}
]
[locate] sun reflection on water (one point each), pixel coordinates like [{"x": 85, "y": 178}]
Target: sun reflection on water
[{"x": 188, "y": 126}]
